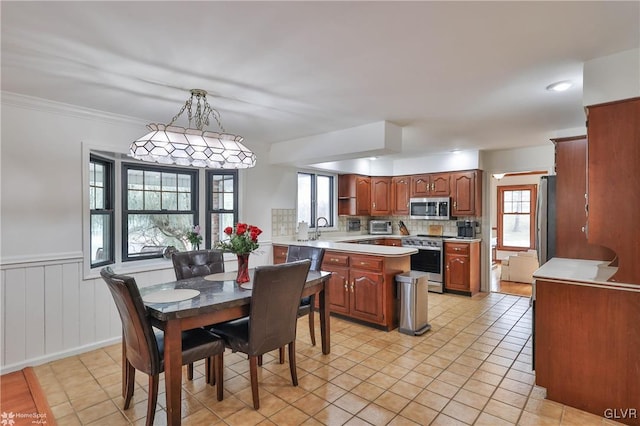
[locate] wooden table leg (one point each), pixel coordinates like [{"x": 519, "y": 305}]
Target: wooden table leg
[
  {"x": 325, "y": 329},
  {"x": 173, "y": 371}
]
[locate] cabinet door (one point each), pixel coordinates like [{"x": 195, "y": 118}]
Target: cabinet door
[
  {"x": 400, "y": 189},
  {"x": 363, "y": 196},
  {"x": 280, "y": 254},
  {"x": 338, "y": 289},
  {"x": 457, "y": 272},
  {"x": 465, "y": 193},
  {"x": 366, "y": 295},
  {"x": 420, "y": 186},
  {"x": 380, "y": 196},
  {"x": 440, "y": 184}
]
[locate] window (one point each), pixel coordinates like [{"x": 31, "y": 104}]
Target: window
[
  {"x": 101, "y": 211},
  {"x": 516, "y": 217},
  {"x": 222, "y": 202},
  {"x": 315, "y": 198},
  {"x": 159, "y": 206}
]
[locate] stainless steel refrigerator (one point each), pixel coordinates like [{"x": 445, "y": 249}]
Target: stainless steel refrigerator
[{"x": 546, "y": 219}]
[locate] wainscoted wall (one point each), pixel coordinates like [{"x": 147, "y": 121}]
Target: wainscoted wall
[{"x": 49, "y": 312}]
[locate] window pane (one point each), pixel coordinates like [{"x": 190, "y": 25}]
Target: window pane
[
  {"x": 324, "y": 186},
  {"x": 184, "y": 201},
  {"x": 516, "y": 230},
  {"x": 184, "y": 183},
  {"x": 169, "y": 182},
  {"x": 135, "y": 179},
  {"x": 92, "y": 198},
  {"x": 170, "y": 200},
  {"x": 100, "y": 238},
  {"x": 228, "y": 183},
  {"x": 151, "y": 200},
  {"x": 304, "y": 198},
  {"x": 152, "y": 181},
  {"x": 99, "y": 203},
  {"x": 134, "y": 200},
  {"x": 219, "y": 221},
  {"x": 151, "y": 233}
]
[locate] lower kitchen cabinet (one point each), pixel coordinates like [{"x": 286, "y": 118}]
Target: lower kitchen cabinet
[
  {"x": 462, "y": 267},
  {"x": 363, "y": 286}
]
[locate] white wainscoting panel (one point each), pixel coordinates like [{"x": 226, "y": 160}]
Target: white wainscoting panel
[{"x": 50, "y": 312}]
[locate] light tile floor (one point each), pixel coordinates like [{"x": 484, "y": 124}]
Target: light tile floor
[{"x": 473, "y": 367}]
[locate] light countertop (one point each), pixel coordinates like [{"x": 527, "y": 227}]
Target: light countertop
[
  {"x": 368, "y": 249},
  {"x": 579, "y": 271}
]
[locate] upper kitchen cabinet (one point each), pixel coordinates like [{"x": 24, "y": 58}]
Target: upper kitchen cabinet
[
  {"x": 400, "y": 193},
  {"x": 354, "y": 195},
  {"x": 431, "y": 185},
  {"x": 571, "y": 187},
  {"x": 613, "y": 183},
  {"x": 466, "y": 193},
  {"x": 380, "y": 196}
]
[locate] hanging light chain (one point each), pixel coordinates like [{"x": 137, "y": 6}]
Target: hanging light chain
[{"x": 202, "y": 111}]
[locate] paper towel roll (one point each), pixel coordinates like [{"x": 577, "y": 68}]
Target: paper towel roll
[{"x": 303, "y": 231}]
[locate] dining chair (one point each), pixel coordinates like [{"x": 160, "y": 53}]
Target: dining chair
[
  {"x": 272, "y": 320},
  {"x": 197, "y": 263},
  {"x": 316, "y": 255},
  {"x": 145, "y": 349}
]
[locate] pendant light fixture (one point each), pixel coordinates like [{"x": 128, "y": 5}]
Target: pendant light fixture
[{"x": 169, "y": 144}]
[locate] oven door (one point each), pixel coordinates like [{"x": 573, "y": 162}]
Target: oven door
[{"x": 430, "y": 261}]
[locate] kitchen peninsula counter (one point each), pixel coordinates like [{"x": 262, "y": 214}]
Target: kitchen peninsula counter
[
  {"x": 585, "y": 339},
  {"x": 362, "y": 285}
]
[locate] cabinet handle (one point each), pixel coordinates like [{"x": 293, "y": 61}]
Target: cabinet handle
[
  {"x": 447, "y": 267},
  {"x": 433, "y": 186},
  {"x": 374, "y": 205},
  {"x": 346, "y": 286},
  {"x": 333, "y": 259},
  {"x": 363, "y": 263},
  {"x": 352, "y": 287},
  {"x": 454, "y": 204}
]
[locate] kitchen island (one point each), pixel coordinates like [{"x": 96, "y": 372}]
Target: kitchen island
[
  {"x": 362, "y": 286},
  {"x": 586, "y": 338}
]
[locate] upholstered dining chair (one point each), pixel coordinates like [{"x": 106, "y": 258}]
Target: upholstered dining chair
[
  {"x": 316, "y": 255},
  {"x": 145, "y": 349},
  {"x": 272, "y": 320},
  {"x": 197, "y": 263}
]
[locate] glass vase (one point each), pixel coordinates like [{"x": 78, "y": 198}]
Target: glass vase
[{"x": 243, "y": 268}]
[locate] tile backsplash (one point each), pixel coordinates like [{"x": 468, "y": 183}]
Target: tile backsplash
[{"x": 284, "y": 222}]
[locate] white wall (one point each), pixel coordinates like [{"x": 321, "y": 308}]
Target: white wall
[{"x": 611, "y": 78}]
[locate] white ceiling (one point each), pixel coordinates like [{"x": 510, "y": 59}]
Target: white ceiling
[{"x": 455, "y": 75}]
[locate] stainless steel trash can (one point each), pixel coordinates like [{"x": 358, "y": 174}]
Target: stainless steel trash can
[{"x": 413, "y": 289}]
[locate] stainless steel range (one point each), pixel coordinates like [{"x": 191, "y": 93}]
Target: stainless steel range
[{"x": 428, "y": 259}]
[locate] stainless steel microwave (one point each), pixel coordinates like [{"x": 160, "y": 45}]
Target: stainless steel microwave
[{"x": 430, "y": 208}]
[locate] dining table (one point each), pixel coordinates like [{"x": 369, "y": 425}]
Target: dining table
[{"x": 200, "y": 301}]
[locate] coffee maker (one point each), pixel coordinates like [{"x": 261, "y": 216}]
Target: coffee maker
[{"x": 466, "y": 228}]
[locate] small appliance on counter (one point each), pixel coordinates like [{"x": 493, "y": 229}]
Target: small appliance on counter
[
  {"x": 353, "y": 225},
  {"x": 303, "y": 231},
  {"x": 466, "y": 228},
  {"x": 380, "y": 227}
]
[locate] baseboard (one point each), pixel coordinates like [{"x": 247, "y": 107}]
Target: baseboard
[{"x": 58, "y": 355}]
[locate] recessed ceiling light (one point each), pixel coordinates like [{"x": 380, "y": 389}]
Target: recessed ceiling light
[
  {"x": 373, "y": 158},
  {"x": 560, "y": 86},
  {"x": 455, "y": 151}
]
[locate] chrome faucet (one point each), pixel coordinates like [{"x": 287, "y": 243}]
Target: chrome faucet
[{"x": 317, "y": 230}]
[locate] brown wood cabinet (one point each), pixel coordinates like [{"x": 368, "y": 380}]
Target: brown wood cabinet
[
  {"x": 466, "y": 193},
  {"x": 380, "y": 196},
  {"x": 462, "y": 267},
  {"x": 400, "y": 193},
  {"x": 354, "y": 195},
  {"x": 363, "y": 287},
  {"x": 614, "y": 183},
  {"x": 571, "y": 214},
  {"x": 586, "y": 347},
  {"x": 431, "y": 185},
  {"x": 394, "y": 242}
]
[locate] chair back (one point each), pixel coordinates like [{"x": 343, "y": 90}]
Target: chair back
[
  {"x": 315, "y": 254},
  {"x": 198, "y": 263},
  {"x": 139, "y": 338},
  {"x": 275, "y": 299}
]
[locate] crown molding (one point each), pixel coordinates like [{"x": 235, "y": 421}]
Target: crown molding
[{"x": 46, "y": 105}]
